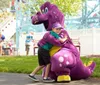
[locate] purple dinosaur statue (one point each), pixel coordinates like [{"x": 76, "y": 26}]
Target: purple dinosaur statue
[{"x": 67, "y": 60}]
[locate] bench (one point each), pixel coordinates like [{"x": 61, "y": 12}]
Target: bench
[{"x": 74, "y": 40}]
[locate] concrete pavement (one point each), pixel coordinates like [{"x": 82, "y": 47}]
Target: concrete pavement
[{"x": 23, "y": 79}]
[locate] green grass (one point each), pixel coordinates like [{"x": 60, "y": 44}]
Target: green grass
[
  {"x": 18, "y": 64},
  {"x": 26, "y": 64}
]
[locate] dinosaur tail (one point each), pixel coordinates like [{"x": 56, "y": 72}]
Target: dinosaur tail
[{"x": 92, "y": 66}]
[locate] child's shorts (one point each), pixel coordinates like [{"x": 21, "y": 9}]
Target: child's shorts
[{"x": 43, "y": 56}]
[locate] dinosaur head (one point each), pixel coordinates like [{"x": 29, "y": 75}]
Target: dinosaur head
[{"x": 49, "y": 15}]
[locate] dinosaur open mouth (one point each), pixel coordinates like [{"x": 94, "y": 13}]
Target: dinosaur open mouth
[
  {"x": 38, "y": 22},
  {"x": 46, "y": 24}
]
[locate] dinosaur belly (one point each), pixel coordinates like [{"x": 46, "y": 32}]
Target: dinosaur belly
[{"x": 62, "y": 60}]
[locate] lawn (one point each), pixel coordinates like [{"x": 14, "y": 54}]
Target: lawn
[
  {"x": 18, "y": 64},
  {"x": 25, "y": 64}
]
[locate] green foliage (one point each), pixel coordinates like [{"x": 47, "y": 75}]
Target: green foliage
[
  {"x": 69, "y": 7},
  {"x": 4, "y": 4}
]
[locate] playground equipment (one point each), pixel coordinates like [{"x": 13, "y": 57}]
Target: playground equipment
[{"x": 88, "y": 18}]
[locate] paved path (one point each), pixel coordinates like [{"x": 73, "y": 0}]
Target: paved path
[{"x": 23, "y": 79}]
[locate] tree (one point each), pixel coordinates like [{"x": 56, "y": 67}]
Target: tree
[
  {"x": 69, "y": 7},
  {"x": 4, "y": 4}
]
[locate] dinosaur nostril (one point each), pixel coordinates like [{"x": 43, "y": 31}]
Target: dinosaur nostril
[{"x": 38, "y": 13}]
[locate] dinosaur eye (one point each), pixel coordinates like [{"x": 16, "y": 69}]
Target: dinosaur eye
[{"x": 46, "y": 10}]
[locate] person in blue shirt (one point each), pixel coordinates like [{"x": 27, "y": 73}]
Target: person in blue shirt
[
  {"x": 43, "y": 51},
  {"x": 2, "y": 38}
]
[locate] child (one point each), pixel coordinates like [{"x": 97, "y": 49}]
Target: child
[{"x": 43, "y": 52}]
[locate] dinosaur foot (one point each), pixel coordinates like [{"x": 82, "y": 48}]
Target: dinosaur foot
[{"x": 63, "y": 78}]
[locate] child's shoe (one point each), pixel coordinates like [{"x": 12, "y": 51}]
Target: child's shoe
[
  {"x": 48, "y": 80},
  {"x": 33, "y": 78}
]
